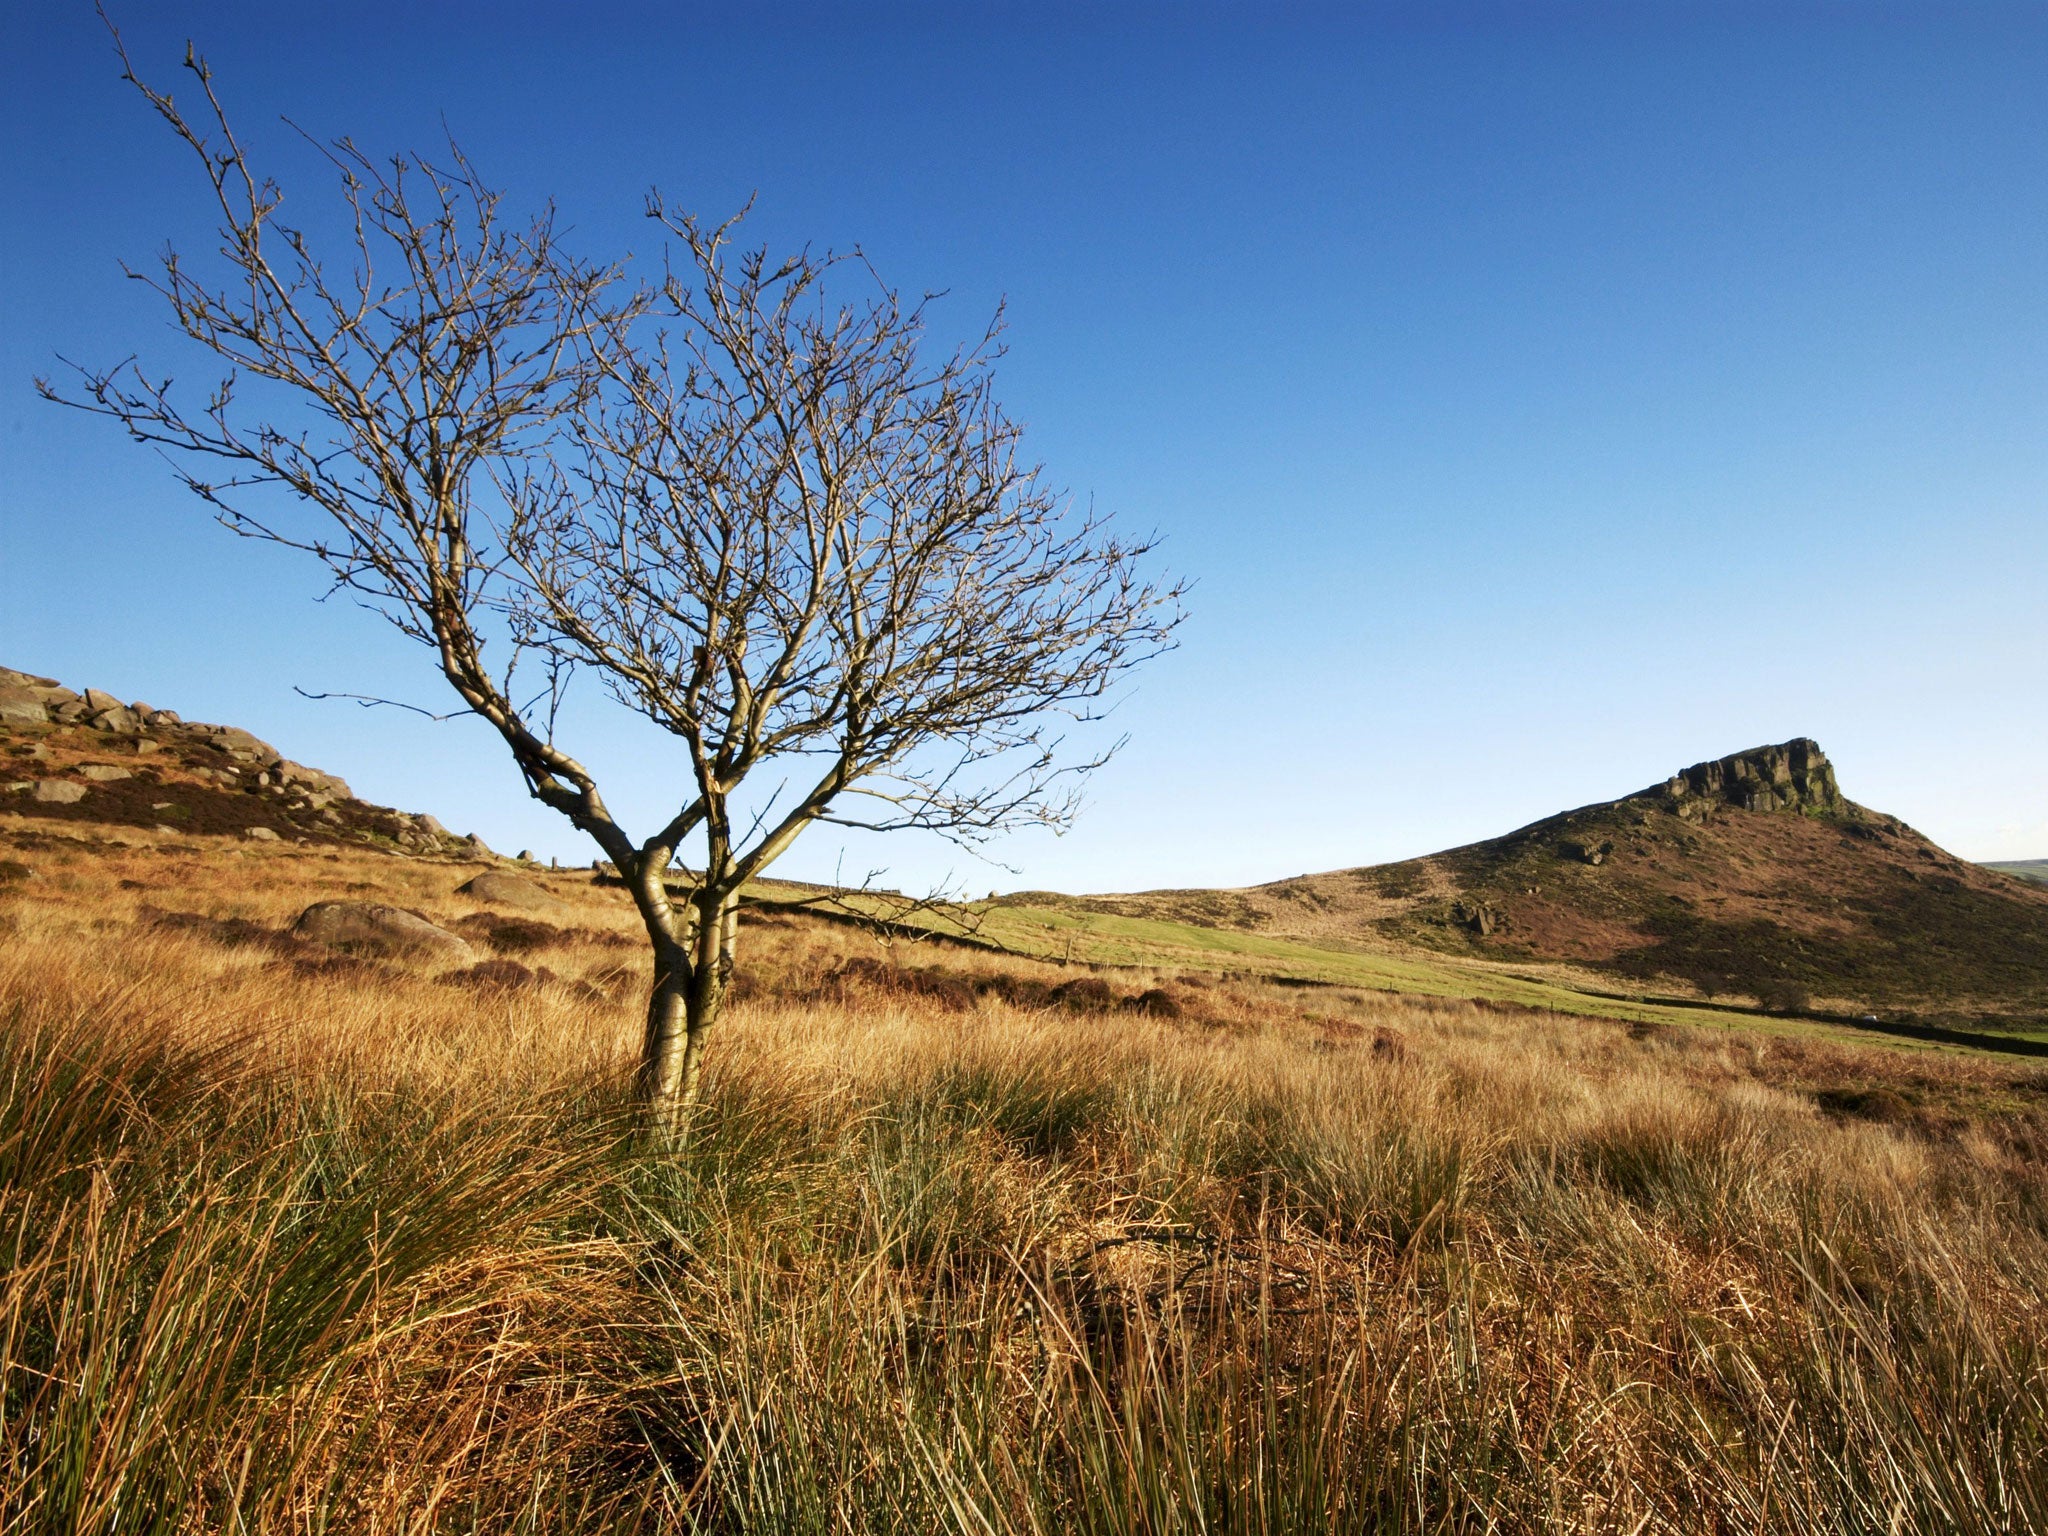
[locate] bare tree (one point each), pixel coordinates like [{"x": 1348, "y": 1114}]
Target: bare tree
[{"x": 764, "y": 519}]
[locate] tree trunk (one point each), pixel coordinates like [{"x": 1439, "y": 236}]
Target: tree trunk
[
  {"x": 716, "y": 930},
  {"x": 662, "y": 1066}
]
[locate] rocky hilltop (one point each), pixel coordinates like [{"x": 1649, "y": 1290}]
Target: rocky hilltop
[
  {"x": 1748, "y": 878},
  {"x": 1795, "y": 776},
  {"x": 86, "y": 756}
]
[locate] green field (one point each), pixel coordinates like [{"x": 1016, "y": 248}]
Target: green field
[
  {"x": 1104, "y": 939},
  {"x": 2026, "y": 869}
]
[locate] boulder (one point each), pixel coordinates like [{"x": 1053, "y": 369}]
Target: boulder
[
  {"x": 367, "y": 925},
  {"x": 21, "y": 706},
  {"x": 104, "y": 773},
  {"x": 313, "y": 779},
  {"x": 236, "y": 742},
  {"x": 260, "y": 834},
  {"x": 431, "y": 827},
  {"x": 59, "y": 792},
  {"x": 121, "y": 720},
  {"x": 1478, "y": 917},
  {"x": 26, "y": 679},
  {"x": 98, "y": 701},
  {"x": 505, "y": 890}
]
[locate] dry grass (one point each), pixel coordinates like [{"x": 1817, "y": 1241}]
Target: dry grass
[{"x": 962, "y": 1245}]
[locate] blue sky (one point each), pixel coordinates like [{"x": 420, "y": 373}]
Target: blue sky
[{"x": 1542, "y": 397}]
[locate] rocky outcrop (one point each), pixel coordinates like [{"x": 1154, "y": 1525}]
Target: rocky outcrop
[
  {"x": 224, "y": 757},
  {"x": 1794, "y": 776},
  {"x": 378, "y": 929}
]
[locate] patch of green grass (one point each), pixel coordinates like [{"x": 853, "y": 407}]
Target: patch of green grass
[{"x": 1096, "y": 938}]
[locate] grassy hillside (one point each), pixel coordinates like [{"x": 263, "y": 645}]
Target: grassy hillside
[
  {"x": 2027, "y": 869},
  {"x": 1820, "y": 905},
  {"x": 297, "y": 1239}
]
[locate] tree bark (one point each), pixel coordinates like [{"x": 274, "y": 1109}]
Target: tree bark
[
  {"x": 668, "y": 1032},
  {"x": 691, "y": 977}
]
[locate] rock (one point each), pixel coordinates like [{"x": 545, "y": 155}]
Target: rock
[
  {"x": 260, "y": 834},
  {"x": 121, "y": 720},
  {"x": 98, "y": 701},
  {"x": 477, "y": 846},
  {"x": 145, "y": 748},
  {"x": 26, "y": 679},
  {"x": 371, "y": 926},
  {"x": 158, "y": 719},
  {"x": 59, "y": 792},
  {"x": 239, "y": 744},
  {"x": 104, "y": 773},
  {"x": 1587, "y": 853},
  {"x": 22, "y": 706},
  {"x": 1793, "y": 776},
  {"x": 431, "y": 827},
  {"x": 506, "y": 890},
  {"x": 312, "y": 778},
  {"x": 1478, "y": 916}
]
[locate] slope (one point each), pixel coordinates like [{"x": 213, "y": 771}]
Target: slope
[{"x": 1750, "y": 878}]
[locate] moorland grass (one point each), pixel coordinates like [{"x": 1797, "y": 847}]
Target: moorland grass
[{"x": 300, "y": 1248}]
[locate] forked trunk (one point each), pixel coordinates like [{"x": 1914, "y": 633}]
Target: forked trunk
[
  {"x": 690, "y": 985},
  {"x": 662, "y": 1053}
]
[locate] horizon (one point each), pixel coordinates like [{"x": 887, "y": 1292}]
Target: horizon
[{"x": 1541, "y": 403}]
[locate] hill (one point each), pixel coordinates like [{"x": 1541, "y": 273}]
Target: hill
[
  {"x": 2026, "y": 869},
  {"x": 1751, "y": 877},
  {"x": 1738, "y": 888},
  {"x": 304, "y": 1232},
  {"x": 87, "y": 757}
]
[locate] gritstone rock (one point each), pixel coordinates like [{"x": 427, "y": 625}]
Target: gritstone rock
[
  {"x": 508, "y": 891},
  {"x": 104, "y": 773},
  {"x": 261, "y": 834},
  {"x": 21, "y": 706},
  {"x": 98, "y": 701},
  {"x": 371, "y": 926},
  {"x": 1794, "y": 776},
  {"x": 1478, "y": 916},
  {"x": 234, "y": 741},
  {"x": 59, "y": 792}
]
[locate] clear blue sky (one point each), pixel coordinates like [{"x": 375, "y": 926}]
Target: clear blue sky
[{"x": 1543, "y": 397}]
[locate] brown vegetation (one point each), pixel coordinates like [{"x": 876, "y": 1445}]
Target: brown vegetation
[
  {"x": 961, "y": 1242},
  {"x": 1825, "y": 906}
]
